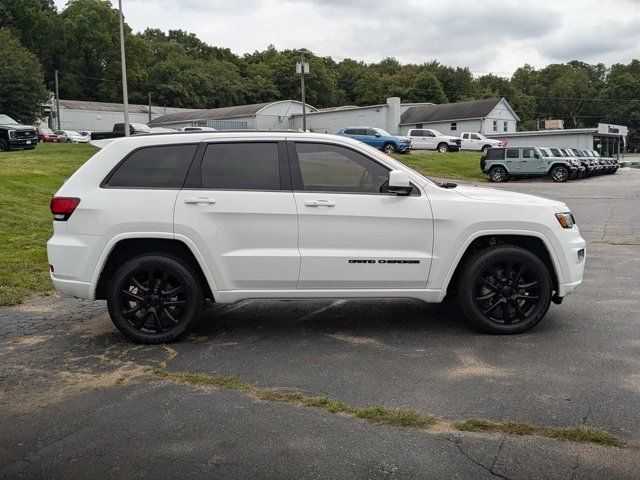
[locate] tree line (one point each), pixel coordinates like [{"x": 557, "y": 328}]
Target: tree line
[{"x": 180, "y": 70}]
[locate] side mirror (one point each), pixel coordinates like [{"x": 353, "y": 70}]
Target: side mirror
[
  {"x": 377, "y": 135},
  {"x": 399, "y": 182},
  {"x": 536, "y": 155}
]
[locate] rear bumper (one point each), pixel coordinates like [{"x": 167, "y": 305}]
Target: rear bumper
[{"x": 72, "y": 288}]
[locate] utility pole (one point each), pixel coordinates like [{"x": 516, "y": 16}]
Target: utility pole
[
  {"x": 303, "y": 71},
  {"x": 149, "y": 106},
  {"x": 57, "y": 102},
  {"x": 125, "y": 95}
]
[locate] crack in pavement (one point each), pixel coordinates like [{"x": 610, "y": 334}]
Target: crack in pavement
[{"x": 490, "y": 469}]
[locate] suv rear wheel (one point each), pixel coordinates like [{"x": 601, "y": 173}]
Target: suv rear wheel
[
  {"x": 504, "y": 289},
  {"x": 154, "y": 298},
  {"x": 498, "y": 174},
  {"x": 559, "y": 174},
  {"x": 389, "y": 148}
]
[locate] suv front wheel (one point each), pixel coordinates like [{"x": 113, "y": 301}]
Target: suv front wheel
[
  {"x": 559, "y": 174},
  {"x": 389, "y": 148},
  {"x": 154, "y": 299},
  {"x": 498, "y": 174},
  {"x": 504, "y": 289}
]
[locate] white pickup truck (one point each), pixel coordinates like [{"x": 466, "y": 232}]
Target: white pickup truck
[
  {"x": 429, "y": 139},
  {"x": 478, "y": 142}
]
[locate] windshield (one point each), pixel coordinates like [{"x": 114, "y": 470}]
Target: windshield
[
  {"x": 46, "y": 131},
  {"x": 438, "y": 133},
  {"x": 7, "y": 120},
  {"x": 141, "y": 126},
  {"x": 71, "y": 132},
  {"x": 383, "y": 132}
]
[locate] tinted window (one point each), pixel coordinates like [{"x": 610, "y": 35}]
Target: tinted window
[
  {"x": 416, "y": 133},
  {"x": 349, "y": 131},
  {"x": 428, "y": 133},
  {"x": 475, "y": 137},
  {"x": 528, "y": 153},
  {"x": 495, "y": 154},
  {"x": 513, "y": 153},
  {"x": 154, "y": 167},
  {"x": 556, "y": 152},
  {"x": 241, "y": 166},
  {"x": 331, "y": 168}
]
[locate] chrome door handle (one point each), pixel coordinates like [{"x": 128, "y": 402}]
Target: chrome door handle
[
  {"x": 197, "y": 200},
  {"x": 319, "y": 203}
]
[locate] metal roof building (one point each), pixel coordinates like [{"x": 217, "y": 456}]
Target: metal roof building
[
  {"x": 266, "y": 116},
  {"x": 98, "y": 116}
]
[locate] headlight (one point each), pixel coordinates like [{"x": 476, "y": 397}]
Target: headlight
[
  {"x": 565, "y": 219},
  {"x": 12, "y": 134}
]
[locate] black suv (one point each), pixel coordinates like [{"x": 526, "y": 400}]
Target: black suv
[{"x": 14, "y": 136}]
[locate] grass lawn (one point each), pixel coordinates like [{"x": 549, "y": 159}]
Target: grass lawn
[
  {"x": 460, "y": 165},
  {"x": 28, "y": 179}
]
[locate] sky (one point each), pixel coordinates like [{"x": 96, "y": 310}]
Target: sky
[{"x": 487, "y": 36}]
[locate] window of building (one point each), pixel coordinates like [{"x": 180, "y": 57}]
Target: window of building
[
  {"x": 154, "y": 167},
  {"x": 505, "y": 126},
  {"x": 454, "y": 126},
  {"x": 241, "y": 166},
  {"x": 495, "y": 125}
]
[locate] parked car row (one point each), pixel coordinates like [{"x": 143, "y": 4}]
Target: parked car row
[{"x": 561, "y": 164}]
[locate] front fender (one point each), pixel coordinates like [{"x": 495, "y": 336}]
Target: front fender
[{"x": 466, "y": 239}]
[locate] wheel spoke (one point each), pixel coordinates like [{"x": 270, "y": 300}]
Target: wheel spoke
[
  {"x": 133, "y": 295},
  {"x": 520, "y": 272},
  {"x": 139, "y": 321},
  {"x": 488, "y": 283},
  {"x": 174, "y": 303},
  {"x": 486, "y": 297},
  {"x": 163, "y": 281},
  {"x": 139, "y": 285},
  {"x": 173, "y": 291},
  {"x": 519, "y": 313},
  {"x": 494, "y": 272},
  {"x": 506, "y": 318},
  {"x": 528, "y": 285},
  {"x": 493, "y": 307},
  {"x": 158, "y": 323},
  {"x": 528, "y": 297},
  {"x": 131, "y": 311},
  {"x": 170, "y": 316}
]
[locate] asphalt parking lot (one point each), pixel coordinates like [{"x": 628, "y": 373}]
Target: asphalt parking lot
[{"x": 78, "y": 400}]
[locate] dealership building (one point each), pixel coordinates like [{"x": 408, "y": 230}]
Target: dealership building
[{"x": 492, "y": 117}]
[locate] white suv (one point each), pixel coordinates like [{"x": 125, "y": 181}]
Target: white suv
[{"x": 155, "y": 224}]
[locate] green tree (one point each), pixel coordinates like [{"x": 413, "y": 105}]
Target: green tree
[
  {"x": 369, "y": 89},
  {"x": 427, "y": 88},
  {"x": 21, "y": 80}
]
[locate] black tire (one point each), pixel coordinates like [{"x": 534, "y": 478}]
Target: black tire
[
  {"x": 389, "y": 148},
  {"x": 559, "y": 173},
  {"x": 498, "y": 174},
  {"x": 517, "y": 278},
  {"x": 159, "y": 315},
  {"x": 68, "y": 140},
  {"x": 485, "y": 148},
  {"x": 4, "y": 146},
  {"x": 443, "y": 148}
]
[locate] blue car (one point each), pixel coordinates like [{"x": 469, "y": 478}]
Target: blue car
[{"x": 378, "y": 138}]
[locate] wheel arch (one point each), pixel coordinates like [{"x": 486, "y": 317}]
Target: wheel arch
[
  {"x": 535, "y": 242},
  {"x": 498, "y": 164},
  {"x": 120, "y": 250}
]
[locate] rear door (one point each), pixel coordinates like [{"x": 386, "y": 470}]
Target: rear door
[
  {"x": 353, "y": 234},
  {"x": 512, "y": 160},
  {"x": 238, "y": 208},
  {"x": 417, "y": 140}
]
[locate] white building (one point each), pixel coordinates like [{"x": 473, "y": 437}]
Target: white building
[
  {"x": 491, "y": 115},
  {"x": 101, "y": 116},
  {"x": 262, "y": 116}
]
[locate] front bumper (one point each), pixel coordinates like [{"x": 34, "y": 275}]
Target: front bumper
[
  {"x": 572, "y": 260},
  {"x": 22, "y": 142},
  {"x": 404, "y": 148}
]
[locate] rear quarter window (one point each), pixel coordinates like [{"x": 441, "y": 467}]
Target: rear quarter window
[
  {"x": 495, "y": 154},
  {"x": 163, "y": 166}
]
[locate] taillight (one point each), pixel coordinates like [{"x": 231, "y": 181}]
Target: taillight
[{"x": 63, "y": 207}]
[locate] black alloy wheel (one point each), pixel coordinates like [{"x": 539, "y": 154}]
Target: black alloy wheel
[
  {"x": 154, "y": 299},
  {"x": 505, "y": 289}
]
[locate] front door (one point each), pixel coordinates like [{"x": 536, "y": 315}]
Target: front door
[
  {"x": 352, "y": 233},
  {"x": 529, "y": 164},
  {"x": 240, "y": 212}
]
